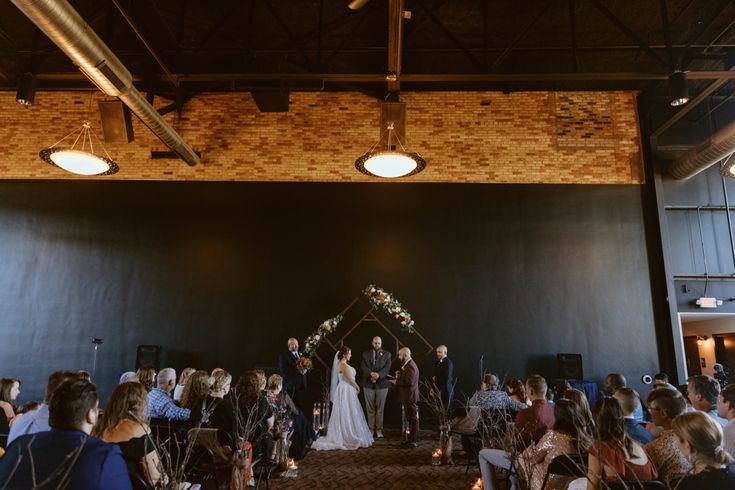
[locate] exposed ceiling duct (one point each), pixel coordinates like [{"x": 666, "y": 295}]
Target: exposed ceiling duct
[
  {"x": 66, "y": 28},
  {"x": 715, "y": 148}
]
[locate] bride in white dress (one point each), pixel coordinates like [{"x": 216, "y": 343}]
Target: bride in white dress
[{"x": 347, "y": 427}]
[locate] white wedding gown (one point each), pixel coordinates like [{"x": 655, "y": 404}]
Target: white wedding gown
[{"x": 347, "y": 427}]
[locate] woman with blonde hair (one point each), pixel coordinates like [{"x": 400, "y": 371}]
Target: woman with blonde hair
[
  {"x": 124, "y": 423},
  {"x": 700, "y": 440},
  {"x": 216, "y": 410},
  {"x": 183, "y": 377}
]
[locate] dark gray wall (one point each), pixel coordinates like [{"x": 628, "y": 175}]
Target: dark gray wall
[{"x": 220, "y": 274}]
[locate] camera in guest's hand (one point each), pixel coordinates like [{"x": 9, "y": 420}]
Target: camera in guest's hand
[{"x": 646, "y": 379}]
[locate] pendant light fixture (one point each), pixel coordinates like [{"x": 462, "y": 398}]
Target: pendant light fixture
[
  {"x": 80, "y": 158},
  {"x": 388, "y": 157}
]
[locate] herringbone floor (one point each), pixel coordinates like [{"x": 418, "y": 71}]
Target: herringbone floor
[{"x": 384, "y": 465}]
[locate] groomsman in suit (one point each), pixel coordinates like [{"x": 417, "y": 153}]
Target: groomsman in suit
[
  {"x": 444, "y": 376},
  {"x": 294, "y": 383},
  {"x": 407, "y": 381},
  {"x": 375, "y": 369}
]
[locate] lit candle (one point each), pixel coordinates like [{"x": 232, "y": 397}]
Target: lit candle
[
  {"x": 436, "y": 457},
  {"x": 291, "y": 464},
  {"x": 477, "y": 485}
]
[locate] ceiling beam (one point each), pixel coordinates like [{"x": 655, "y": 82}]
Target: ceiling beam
[
  {"x": 416, "y": 78},
  {"x": 628, "y": 32}
]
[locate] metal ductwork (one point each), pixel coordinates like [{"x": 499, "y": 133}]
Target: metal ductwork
[
  {"x": 66, "y": 28},
  {"x": 715, "y": 148}
]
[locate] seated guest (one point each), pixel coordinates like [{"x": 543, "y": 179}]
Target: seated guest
[
  {"x": 281, "y": 402},
  {"x": 160, "y": 403},
  {"x": 197, "y": 388},
  {"x": 146, "y": 376},
  {"x": 9, "y": 391},
  {"x": 629, "y": 400},
  {"x": 488, "y": 397},
  {"x": 569, "y": 435},
  {"x": 124, "y": 423},
  {"x": 45, "y": 456},
  {"x": 700, "y": 439},
  {"x": 27, "y": 407},
  {"x": 37, "y": 420},
  {"x": 614, "y": 455},
  {"x": 516, "y": 390},
  {"x": 578, "y": 397},
  {"x": 215, "y": 411},
  {"x": 533, "y": 421},
  {"x": 185, "y": 375},
  {"x": 255, "y": 412},
  {"x": 703, "y": 392},
  {"x": 665, "y": 405},
  {"x": 128, "y": 377},
  {"x": 661, "y": 380},
  {"x": 530, "y": 423},
  {"x": 615, "y": 381},
  {"x": 726, "y": 410}
]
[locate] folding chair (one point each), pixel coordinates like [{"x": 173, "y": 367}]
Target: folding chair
[{"x": 637, "y": 485}]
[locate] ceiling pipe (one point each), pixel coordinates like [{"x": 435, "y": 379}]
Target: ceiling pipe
[
  {"x": 66, "y": 28},
  {"x": 715, "y": 148}
]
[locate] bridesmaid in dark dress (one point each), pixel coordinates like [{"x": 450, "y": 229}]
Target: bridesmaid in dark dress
[{"x": 124, "y": 423}]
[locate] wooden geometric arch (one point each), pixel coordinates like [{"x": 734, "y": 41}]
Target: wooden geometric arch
[{"x": 368, "y": 317}]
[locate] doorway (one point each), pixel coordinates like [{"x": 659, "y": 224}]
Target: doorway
[{"x": 708, "y": 338}]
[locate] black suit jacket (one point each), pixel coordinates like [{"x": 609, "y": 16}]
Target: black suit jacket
[
  {"x": 382, "y": 367},
  {"x": 293, "y": 380},
  {"x": 444, "y": 376}
]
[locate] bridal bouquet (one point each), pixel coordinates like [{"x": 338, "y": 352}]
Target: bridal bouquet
[
  {"x": 303, "y": 365},
  {"x": 379, "y": 298}
]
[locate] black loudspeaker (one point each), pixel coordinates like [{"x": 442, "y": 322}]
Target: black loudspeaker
[
  {"x": 569, "y": 366},
  {"x": 117, "y": 126},
  {"x": 148, "y": 355}
]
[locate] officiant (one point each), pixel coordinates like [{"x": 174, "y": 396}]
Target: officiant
[
  {"x": 294, "y": 381},
  {"x": 375, "y": 368}
]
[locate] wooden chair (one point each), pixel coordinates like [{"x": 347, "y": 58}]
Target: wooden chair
[{"x": 572, "y": 465}]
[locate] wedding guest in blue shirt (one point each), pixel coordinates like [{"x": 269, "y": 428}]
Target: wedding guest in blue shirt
[
  {"x": 629, "y": 400},
  {"x": 37, "y": 420},
  {"x": 160, "y": 403},
  {"x": 66, "y": 456}
]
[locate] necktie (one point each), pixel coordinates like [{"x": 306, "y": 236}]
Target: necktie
[{"x": 375, "y": 358}]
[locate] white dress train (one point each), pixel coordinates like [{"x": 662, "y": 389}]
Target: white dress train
[{"x": 347, "y": 427}]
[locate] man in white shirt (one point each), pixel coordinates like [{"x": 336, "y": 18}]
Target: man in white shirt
[
  {"x": 703, "y": 392},
  {"x": 726, "y": 409}
]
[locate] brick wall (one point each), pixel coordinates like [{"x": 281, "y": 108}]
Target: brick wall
[{"x": 483, "y": 137}]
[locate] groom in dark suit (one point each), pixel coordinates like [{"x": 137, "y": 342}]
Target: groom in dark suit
[
  {"x": 375, "y": 369},
  {"x": 407, "y": 381},
  {"x": 294, "y": 383}
]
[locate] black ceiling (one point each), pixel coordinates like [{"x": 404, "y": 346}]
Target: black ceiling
[{"x": 448, "y": 44}]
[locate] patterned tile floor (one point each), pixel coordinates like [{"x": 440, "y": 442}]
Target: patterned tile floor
[{"x": 384, "y": 465}]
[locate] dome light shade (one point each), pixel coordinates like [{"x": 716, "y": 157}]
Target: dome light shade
[
  {"x": 390, "y": 164},
  {"x": 81, "y": 160},
  {"x": 678, "y": 89}
]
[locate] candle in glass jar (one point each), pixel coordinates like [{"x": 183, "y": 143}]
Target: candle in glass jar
[
  {"x": 477, "y": 485},
  {"x": 436, "y": 457}
]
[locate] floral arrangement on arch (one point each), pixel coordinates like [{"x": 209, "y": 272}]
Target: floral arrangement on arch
[
  {"x": 379, "y": 298},
  {"x": 312, "y": 341}
]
